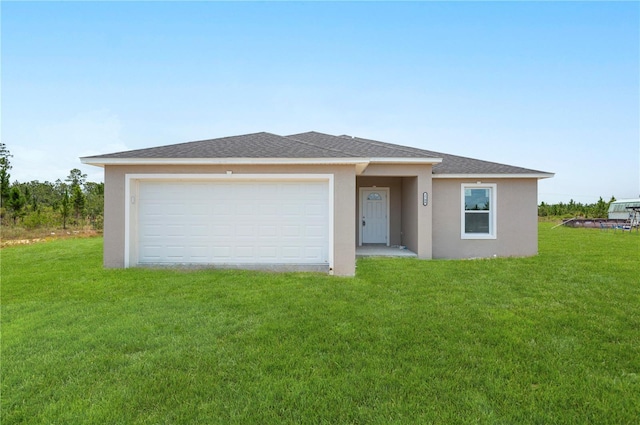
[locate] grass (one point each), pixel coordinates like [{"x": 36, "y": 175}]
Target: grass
[{"x": 552, "y": 339}]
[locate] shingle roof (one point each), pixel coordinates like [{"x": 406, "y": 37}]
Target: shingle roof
[
  {"x": 310, "y": 145},
  {"x": 256, "y": 145},
  {"x": 362, "y": 148},
  {"x": 451, "y": 164}
]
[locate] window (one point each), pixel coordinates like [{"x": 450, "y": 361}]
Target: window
[
  {"x": 375, "y": 196},
  {"x": 478, "y": 219}
]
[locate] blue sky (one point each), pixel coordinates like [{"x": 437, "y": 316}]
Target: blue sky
[{"x": 548, "y": 86}]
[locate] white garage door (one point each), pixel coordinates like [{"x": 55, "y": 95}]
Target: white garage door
[{"x": 270, "y": 222}]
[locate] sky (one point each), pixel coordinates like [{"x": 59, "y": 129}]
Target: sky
[{"x": 551, "y": 86}]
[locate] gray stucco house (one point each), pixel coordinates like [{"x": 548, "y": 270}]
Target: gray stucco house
[{"x": 308, "y": 200}]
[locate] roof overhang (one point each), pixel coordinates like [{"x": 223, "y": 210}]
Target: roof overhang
[
  {"x": 360, "y": 163},
  {"x": 495, "y": 176}
]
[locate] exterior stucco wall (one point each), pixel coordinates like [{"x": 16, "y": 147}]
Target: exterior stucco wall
[
  {"x": 516, "y": 226},
  {"x": 409, "y": 214},
  {"x": 344, "y": 204},
  {"x": 417, "y": 219}
]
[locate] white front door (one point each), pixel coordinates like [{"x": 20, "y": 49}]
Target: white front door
[{"x": 374, "y": 215}]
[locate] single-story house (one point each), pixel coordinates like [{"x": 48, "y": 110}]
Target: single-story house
[{"x": 308, "y": 201}]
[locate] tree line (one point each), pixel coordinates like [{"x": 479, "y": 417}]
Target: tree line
[
  {"x": 575, "y": 209},
  {"x": 35, "y": 204}
]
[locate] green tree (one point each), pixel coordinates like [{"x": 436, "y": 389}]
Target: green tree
[
  {"x": 65, "y": 207},
  {"x": 5, "y": 166},
  {"x": 42, "y": 193},
  {"x": 27, "y": 195},
  {"x": 95, "y": 203},
  {"x": 600, "y": 209},
  {"x": 16, "y": 203},
  {"x": 543, "y": 210},
  {"x": 76, "y": 178},
  {"x": 78, "y": 200},
  {"x": 59, "y": 188}
]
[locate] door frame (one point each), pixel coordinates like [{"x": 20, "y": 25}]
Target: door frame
[{"x": 360, "y": 203}]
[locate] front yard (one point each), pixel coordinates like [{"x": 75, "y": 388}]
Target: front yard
[{"x": 549, "y": 339}]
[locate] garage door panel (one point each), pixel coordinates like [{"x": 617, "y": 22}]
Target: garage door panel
[
  {"x": 292, "y": 210},
  {"x": 292, "y": 252},
  {"x": 267, "y": 192},
  {"x": 314, "y": 210},
  {"x": 244, "y": 252},
  {"x": 239, "y": 222},
  {"x": 175, "y": 251},
  {"x": 245, "y": 209},
  {"x": 267, "y": 230},
  {"x": 198, "y": 231},
  {"x": 198, "y": 252},
  {"x": 151, "y": 230},
  {"x": 245, "y": 230},
  {"x": 176, "y": 230},
  {"x": 268, "y": 252},
  {"x": 314, "y": 232},
  {"x": 222, "y": 230},
  {"x": 199, "y": 209},
  {"x": 291, "y": 231},
  {"x": 222, "y": 252},
  {"x": 219, "y": 209},
  {"x": 311, "y": 253},
  {"x": 268, "y": 209}
]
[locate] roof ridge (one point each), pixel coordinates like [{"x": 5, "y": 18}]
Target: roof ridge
[
  {"x": 408, "y": 149},
  {"x": 227, "y": 137},
  {"x": 318, "y": 146}
]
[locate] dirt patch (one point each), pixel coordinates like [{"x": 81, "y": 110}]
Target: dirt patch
[
  {"x": 20, "y": 242},
  {"x": 29, "y": 239}
]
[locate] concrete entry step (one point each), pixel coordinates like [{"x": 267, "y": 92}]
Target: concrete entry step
[{"x": 373, "y": 250}]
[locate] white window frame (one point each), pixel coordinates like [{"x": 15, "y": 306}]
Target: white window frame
[{"x": 493, "y": 213}]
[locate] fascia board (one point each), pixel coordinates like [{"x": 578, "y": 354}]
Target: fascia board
[
  {"x": 101, "y": 162},
  {"x": 405, "y": 160},
  {"x": 362, "y": 162},
  {"x": 495, "y": 176}
]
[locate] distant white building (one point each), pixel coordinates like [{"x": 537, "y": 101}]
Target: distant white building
[{"x": 618, "y": 210}]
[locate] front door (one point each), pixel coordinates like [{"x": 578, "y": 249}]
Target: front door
[{"x": 374, "y": 215}]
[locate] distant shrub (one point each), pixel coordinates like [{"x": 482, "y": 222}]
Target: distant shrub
[
  {"x": 98, "y": 222},
  {"x": 40, "y": 218}
]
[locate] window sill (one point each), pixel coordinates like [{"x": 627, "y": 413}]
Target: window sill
[{"x": 477, "y": 236}]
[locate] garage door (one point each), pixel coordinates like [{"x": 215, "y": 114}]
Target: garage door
[{"x": 213, "y": 222}]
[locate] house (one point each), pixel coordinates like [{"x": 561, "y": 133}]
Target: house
[{"x": 307, "y": 201}]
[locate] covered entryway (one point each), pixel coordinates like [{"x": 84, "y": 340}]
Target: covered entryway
[
  {"x": 407, "y": 206},
  {"x": 225, "y": 222}
]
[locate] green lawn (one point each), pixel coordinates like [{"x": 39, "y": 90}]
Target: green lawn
[{"x": 552, "y": 339}]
